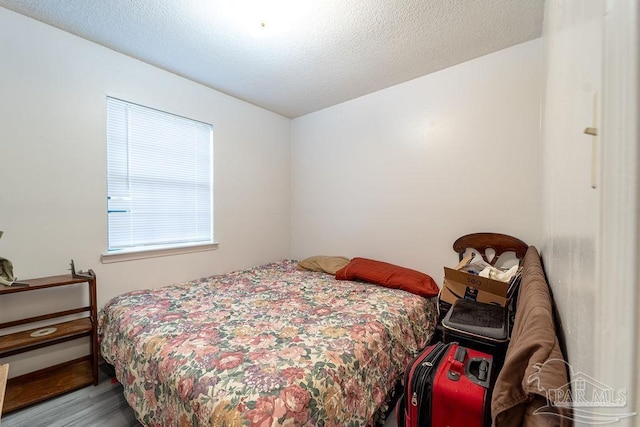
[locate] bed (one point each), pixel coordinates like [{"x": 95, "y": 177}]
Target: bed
[{"x": 268, "y": 346}]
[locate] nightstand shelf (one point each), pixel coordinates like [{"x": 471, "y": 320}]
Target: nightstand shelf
[
  {"x": 44, "y": 384},
  {"x": 20, "y": 342},
  {"x": 51, "y": 381}
]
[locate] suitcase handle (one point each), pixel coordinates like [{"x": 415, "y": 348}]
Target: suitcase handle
[
  {"x": 457, "y": 364},
  {"x": 479, "y": 371},
  {"x": 483, "y": 370}
]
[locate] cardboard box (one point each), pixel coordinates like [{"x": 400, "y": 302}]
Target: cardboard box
[{"x": 459, "y": 284}]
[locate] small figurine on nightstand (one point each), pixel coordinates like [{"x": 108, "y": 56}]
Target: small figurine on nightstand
[{"x": 6, "y": 273}]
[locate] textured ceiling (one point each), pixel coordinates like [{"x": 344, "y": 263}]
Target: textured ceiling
[{"x": 296, "y": 56}]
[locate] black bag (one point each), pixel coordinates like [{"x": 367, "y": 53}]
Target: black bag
[{"x": 484, "y": 327}]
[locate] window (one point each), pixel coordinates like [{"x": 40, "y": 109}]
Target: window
[{"x": 159, "y": 178}]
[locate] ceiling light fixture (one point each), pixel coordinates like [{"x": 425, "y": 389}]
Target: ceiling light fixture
[{"x": 265, "y": 17}]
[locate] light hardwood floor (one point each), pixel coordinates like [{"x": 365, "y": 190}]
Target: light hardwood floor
[{"x": 103, "y": 405}]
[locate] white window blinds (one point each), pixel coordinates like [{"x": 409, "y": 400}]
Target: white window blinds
[{"x": 159, "y": 177}]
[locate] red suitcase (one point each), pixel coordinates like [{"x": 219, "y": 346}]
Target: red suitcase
[{"x": 447, "y": 386}]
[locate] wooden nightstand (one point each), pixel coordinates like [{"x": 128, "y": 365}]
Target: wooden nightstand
[{"x": 52, "y": 381}]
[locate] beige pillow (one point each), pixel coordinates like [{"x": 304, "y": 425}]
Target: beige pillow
[{"x": 323, "y": 263}]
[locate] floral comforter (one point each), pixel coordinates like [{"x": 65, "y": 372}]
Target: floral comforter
[{"x": 268, "y": 346}]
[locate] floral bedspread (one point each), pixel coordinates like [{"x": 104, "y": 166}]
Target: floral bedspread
[{"x": 268, "y": 346}]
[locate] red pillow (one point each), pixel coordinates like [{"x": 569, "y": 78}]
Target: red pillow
[{"x": 389, "y": 276}]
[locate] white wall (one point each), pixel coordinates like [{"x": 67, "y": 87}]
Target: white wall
[
  {"x": 399, "y": 174},
  {"x": 573, "y": 41},
  {"x": 590, "y": 236},
  {"x": 53, "y": 165}
]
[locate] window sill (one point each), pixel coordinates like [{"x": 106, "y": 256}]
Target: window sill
[{"x": 131, "y": 255}]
